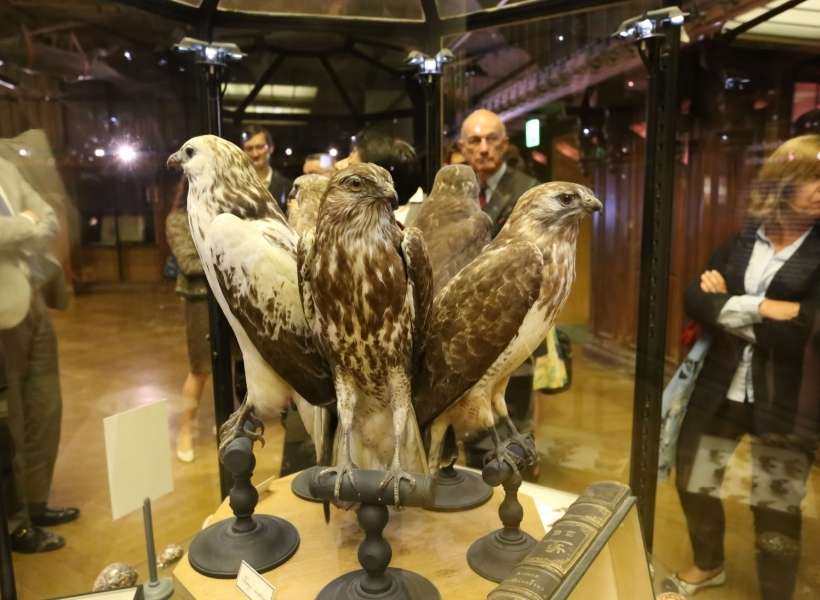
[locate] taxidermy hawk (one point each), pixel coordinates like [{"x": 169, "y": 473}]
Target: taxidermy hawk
[
  {"x": 248, "y": 253},
  {"x": 303, "y": 201},
  {"x": 366, "y": 288},
  {"x": 493, "y": 314},
  {"x": 455, "y": 228}
]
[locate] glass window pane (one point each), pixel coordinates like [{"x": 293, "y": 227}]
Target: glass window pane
[
  {"x": 459, "y": 8},
  {"x": 398, "y": 10}
]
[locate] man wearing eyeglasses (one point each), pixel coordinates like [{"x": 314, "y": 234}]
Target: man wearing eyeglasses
[
  {"x": 258, "y": 145},
  {"x": 483, "y": 143}
]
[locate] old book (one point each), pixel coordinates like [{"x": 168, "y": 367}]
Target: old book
[{"x": 566, "y": 554}]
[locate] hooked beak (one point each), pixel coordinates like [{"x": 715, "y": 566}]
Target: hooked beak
[
  {"x": 390, "y": 193},
  {"x": 174, "y": 162},
  {"x": 592, "y": 204}
]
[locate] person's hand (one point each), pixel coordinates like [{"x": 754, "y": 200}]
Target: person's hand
[
  {"x": 712, "y": 282},
  {"x": 30, "y": 215},
  {"x": 779, "y": 310}
]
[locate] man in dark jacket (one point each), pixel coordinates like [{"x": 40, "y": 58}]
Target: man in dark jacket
[
  {"x": 258, "y": 145},
  {"x": 483, "y": 143}
]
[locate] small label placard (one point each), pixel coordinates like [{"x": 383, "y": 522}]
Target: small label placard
[{"x": 253, "y": 585}]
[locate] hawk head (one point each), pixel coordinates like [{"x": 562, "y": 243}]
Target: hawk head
[
  {"x": 311, "y": 185},
  {"x": 199, "y": 156},
  {"x": 554, "y": 205},
  {"x": 456, "y": 180},
  {"x": 362, "y": 188},
  {"x": 221, "y": 174}
]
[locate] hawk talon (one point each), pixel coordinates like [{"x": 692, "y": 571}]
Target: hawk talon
[
  {"x": 340, "y": 472},
  {"x": 235, "y": 427},
  {"x": 396, "y": 475},
  {"x": 502, "y": 455},
  {"x": 527, "y": 444}
]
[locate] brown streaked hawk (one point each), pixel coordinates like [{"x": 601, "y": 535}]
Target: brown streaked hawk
[
  {"x": 366, "y": 288},
  {"x": 455, "y": 228},
  {"x": 491, "y": 316}
]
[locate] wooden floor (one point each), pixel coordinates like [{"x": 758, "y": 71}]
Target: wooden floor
[{"x": 122, "y": 347}]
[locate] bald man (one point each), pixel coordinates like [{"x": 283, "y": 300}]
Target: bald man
[{"x": 483, "y": 143}]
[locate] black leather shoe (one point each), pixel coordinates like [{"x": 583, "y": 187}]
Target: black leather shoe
[
  {"x": 55, "y": 516},
  {"x": 28, "y": 540}
]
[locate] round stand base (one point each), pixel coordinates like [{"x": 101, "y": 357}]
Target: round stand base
[
  {"x": 162, "y": 589},
  {"x": 217, "y": 551},
  {"x": 494, "y": 558},
  {"x": 457, "y": 489},
  {"x": 406, "y": 585},
  {"x": 300, "y": 486}
]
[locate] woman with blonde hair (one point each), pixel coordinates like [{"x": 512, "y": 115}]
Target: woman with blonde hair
[{"x": 757, "y": 298}]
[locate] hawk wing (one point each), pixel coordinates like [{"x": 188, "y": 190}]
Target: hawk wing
[
  {"x": 419, "y": 273},
  {"x": 473, "y": 320},
  {"x": 455, "y": 233},
  {"x": 255, "y": 264},
  {"x": 305, "y": 252}
]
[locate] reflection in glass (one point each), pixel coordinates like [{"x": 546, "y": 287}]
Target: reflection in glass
[{"x": 399, "y": 10}]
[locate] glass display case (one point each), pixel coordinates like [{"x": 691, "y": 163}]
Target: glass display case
[{"x": 94, "y": 99}]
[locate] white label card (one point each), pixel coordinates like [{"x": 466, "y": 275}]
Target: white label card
[
  {"x": 253, "y": 585},
  {"x": 138, "y": 453}
]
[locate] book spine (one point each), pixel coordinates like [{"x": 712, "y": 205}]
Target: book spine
[{"x": 543, "y": 571}]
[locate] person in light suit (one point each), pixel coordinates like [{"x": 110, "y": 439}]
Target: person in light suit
[{"x": 29, "y": 347}]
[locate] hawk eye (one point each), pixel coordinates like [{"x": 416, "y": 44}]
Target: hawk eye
[
  {"x": 189, "y": 152},
  {"x": 355, "y": 183},
  {"x": 566, "y": 199}
]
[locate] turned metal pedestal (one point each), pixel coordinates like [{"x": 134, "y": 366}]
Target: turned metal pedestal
[
  {"x": 263, "y": 541},
  {"x": 496, "y": 554},
  {"x": 458, "y": 489},
  {"x": 300, "y": 486},
  {"x": 376, "y": 581}
]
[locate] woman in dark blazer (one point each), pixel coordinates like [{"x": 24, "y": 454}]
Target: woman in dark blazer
[{"x": 758, "y": 298}]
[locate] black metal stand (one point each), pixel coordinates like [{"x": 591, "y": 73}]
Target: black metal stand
[
  {"x": 376, "y": 581},
  {"x": 155, "y": 588},
  {"x": 660, "y": 53},
  {"x": 495, "y": 555},
  {"x": 458, "y": 489},
  {"x": 263, "y": 541},
  {"x": 300, "y": 486}
]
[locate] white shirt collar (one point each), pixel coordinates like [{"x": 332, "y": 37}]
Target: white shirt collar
[
  {"x": 786, "y": 252},
  {"x": 492, "y": 180}
]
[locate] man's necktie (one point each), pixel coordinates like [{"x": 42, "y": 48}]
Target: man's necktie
[{"x": 483, "y": 197}]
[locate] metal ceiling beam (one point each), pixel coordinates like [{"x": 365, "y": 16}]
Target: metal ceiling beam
[
  {"x": 503, "y": 81},
  {"x": 731, "y": 35},
  {"x": 257, "y": 87},
  {"x": 310, "y": 117},
  {"x": 379, "y": 44},
  {"x": 334, "y": 77},
  {"x": 376, "y": 63},
  {"x": 206, "y": 14},
  {"x": 519, "y": 12}
]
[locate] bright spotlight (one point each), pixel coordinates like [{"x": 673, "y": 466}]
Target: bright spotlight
[
  {"x": 23, "y": 152},
  {"x": 288, "y": 151},
  {"x": 99, "y": 152},
  {"x": 126, "y": 153},
  {"x": 333, "y": 152}
]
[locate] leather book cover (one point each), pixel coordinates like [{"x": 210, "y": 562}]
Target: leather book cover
[{"x": 540, "y": 574}]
